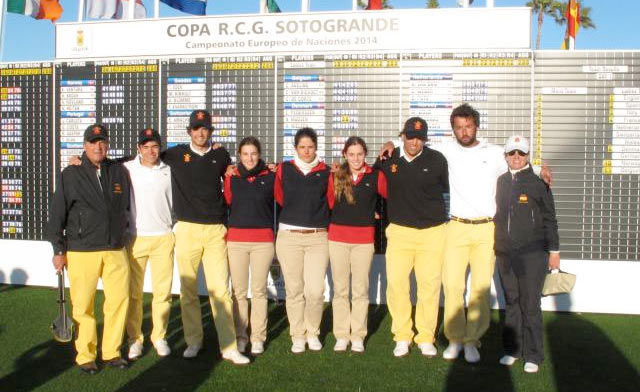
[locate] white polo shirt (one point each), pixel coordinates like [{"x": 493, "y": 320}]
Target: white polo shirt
[
  {"x": 473, "y": 176},
  {"x": 151, "y": 213}
]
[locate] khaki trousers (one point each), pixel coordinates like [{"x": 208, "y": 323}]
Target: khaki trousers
[
  {"x": 304, "y": 259},
  {"x": 467, "y": 245},
  {"x": 204, "y": 243},
  {"x": 85, "y": 268},
  {"x": 420, "y": 250},
  {"x": 350, "y": 263},
  {"x": 158, "y": 252},
  {"x": 257, "y": 258}
]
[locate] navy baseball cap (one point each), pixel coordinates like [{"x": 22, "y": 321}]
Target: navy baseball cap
[
  {"x": 95, "y": 132},
  {"x": 200, "y": 118},
  {"x": 149, "y": 134},
  {"x": 415, "y": 127}
]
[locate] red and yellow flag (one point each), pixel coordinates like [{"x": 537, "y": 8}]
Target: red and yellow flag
[{"x": 573, "y": 22}]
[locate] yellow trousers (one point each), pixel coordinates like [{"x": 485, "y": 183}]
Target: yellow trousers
[
  {"x": 467, "y": 245},
  {"x": 85, "y": 268},
  {"x": 420, "y": 250},
  {"x": 158, "y": 252},
  {"x": 196, "y": 243}
]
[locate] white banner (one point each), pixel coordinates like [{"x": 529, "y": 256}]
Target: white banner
[{"x": 501, "y": 28}]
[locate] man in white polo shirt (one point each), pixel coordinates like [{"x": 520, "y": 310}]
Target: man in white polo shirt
[{"x": 151, "y": 242}]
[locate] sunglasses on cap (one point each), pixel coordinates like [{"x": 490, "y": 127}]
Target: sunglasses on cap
[{"x": 514, "y": 152}]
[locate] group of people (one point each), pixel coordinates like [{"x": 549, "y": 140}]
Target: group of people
[{"x": 109, "y": 220}]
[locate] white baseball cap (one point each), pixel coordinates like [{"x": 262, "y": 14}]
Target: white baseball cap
[{"x": 517, "y": 142}]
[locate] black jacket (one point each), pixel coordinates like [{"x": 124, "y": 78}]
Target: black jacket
[
  {"x": 85, "y": 216},
  {"x": 525, "y": 214}
]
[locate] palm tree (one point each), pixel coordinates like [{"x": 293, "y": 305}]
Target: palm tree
[
  {"x": 585, "y": 16},
  {"x": 433, "y": 4},
  {"x": 542, "y": 7},
  {"x": 385, "y": 4}
]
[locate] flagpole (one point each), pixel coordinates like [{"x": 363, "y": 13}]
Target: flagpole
[
  {"x": 354, "y": 5},
  {"x": 304, "y": 6},
  {"x": 263, "y": 6},
  {"x": 132, "y": 9},
  {"x": 2, "y": 15},
  {"x": 489, "y": 3},
  {"x": 80, "y": 10},
  {"x": 156, "y": 9}
]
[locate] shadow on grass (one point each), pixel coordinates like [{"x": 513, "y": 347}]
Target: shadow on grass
[
  {"x": 174, "y": 373},
  {"x": 486, "y": 375},
  {"x": 277, "y": 321},
  {"x": 585, "y": 359}
]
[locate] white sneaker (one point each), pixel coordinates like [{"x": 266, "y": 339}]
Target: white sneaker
[
  {"x": 257, "y": 347},
  {"x": 452, "y": 351},
  {"x": 235, "y": 357},
  {"x": 401, "y": 349},
  {"x": 471, "y": 353},
  {"x": 530, "y": 367},
  {"x": 428, "y": 349},
  {"x": 314, "y": 343},
  {"x": 135, "y": 350},
  {"x": 357, "y": 346},
  {"x": 508, "y": 360},
  {"x": 241, "y": 344},
  {"x": 341, "y": 345},
  {"x": 192, "y": 351},
  {"x": 298, "y": 346},
  {"x": 162, "y": 347}
]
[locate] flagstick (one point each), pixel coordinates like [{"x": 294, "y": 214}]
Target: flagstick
[
  {"x": 80, "y": 10},
  {"x": 156, "y": 9}
]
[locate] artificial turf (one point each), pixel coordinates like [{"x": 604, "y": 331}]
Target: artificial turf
[{"x": 584, "y": 352}]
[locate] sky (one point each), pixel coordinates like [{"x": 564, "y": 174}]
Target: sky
[{"x": 27, "y": 39}]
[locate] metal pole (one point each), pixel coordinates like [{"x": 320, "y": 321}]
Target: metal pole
[
  {"x": 3, "y": 7},
  {"x": 354, "y": 5},
  {"x": 304, "y": 6},
  {"x": 263, "y": 7},
  {"x": 156, "y": 9},
  {"x": 80, "y": 10},
  {"x": 132, "y": 9}
]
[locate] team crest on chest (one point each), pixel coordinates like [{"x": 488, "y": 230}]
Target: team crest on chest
[
  {"x": 523, "y": 199},
  {"x": 187, "y": 157},
  {"x": 394, "y": 168}
]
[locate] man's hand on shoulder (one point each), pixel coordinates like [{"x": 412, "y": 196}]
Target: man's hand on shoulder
[
  {"x": 75, "y": 160},
  {"x": 230, "y": 170},
  {"x": 546, "y": 174},
  {"x": 386, "y": 150}
]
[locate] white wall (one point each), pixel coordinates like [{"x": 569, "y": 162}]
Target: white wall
[{"x": 601, "y": 286}]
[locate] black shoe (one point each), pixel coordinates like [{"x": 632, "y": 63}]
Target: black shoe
[
  {"x": 89, "y": 368},
  {"x": 117, "y": 363}
]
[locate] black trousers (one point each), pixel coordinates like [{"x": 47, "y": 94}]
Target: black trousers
[{"x": 522, "y": 277}]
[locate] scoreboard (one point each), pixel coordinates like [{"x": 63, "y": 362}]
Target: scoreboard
[
  {"x": 581, "y": 109},
  {"x": 26, "y": 141}
]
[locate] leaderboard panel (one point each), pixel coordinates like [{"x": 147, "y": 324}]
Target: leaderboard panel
[
  {"x": 497, "y": 84},
  {"x": 338, "y": 95},
  {"x": 26, "y": 91},
  {"x": 123, "y": 95},
  {"x": 239, "y": 92},
  {"x": 587, "y": 125}
]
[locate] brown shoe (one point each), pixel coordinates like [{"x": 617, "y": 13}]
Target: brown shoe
[
  {"x": 89, "y": 368},
  {"x": 117, "y": 363}
]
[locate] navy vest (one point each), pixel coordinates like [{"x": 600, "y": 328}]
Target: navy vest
[
  {"x": 304, "y": 197},
  {"x": 365, "y": 194},
  {"x": 252, "y": 202}
]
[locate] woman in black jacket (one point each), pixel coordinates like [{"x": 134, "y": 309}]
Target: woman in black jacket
[{"x": 526, "y": 246}]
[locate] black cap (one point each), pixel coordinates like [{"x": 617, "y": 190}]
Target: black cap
[
  {"x": 200, "y": 118},
  {"x": 95, "y": 132},
  {"x": 148, "y": 134},
  {"x": 415, "y": 127}
]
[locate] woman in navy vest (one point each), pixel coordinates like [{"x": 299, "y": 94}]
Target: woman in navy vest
[
  {"x": 302, "y": 248},
  {"x": 353, "y": 193},
  {"x": 249, "y": 193}
]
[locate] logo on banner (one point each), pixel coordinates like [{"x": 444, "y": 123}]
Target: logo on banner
[{"x": 81, "y": 41}]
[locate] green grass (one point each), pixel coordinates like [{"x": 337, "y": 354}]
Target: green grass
[{"x": 585, "y": 352}]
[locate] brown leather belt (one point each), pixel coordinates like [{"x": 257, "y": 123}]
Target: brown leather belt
[
  {"x": 307, "y": 231},
  {"x": 472, "y": 221}
]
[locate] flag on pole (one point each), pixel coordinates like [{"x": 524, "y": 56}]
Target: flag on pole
[
  {"x": 272, "y": 6},
  {"x": 194, "y": 7},
  {"x": 139, "y": 12},
  {"x": 102, "y": 9},
  {"x": 573, "y": 24},
  {"x": 374, "y": 5},
  {"x": 38, "y": 9}
]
